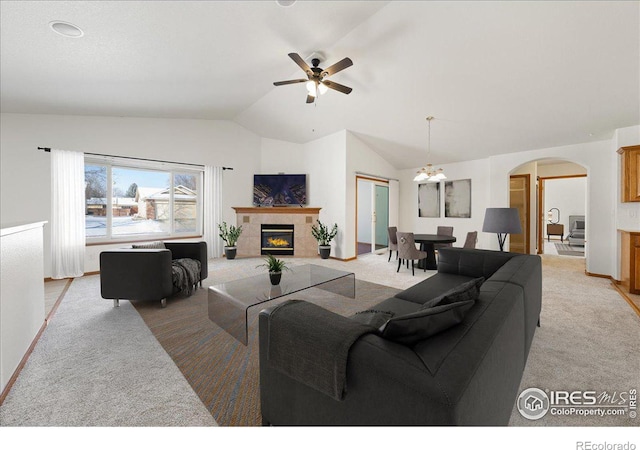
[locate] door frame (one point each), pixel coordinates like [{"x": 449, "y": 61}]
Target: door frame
[
  {"x": 527, "y": 177},
  {"x": 541, "y": 215},
  {"x": 374, "y": 181}
]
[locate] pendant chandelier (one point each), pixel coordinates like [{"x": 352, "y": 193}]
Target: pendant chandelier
[{"x": 428, "y": 173}]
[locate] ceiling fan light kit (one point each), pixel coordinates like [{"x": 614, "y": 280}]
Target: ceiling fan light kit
[
  {"x": 316, "y": 82},
  {"x": 428, "y": 172}
]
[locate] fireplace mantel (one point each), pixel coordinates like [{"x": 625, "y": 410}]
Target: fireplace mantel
[
  {"x": 251, "y": 219},
  {"x": 275, "y": 210}
]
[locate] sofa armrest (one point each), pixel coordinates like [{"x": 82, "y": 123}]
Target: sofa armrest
[
  {"x": 135, "y": 274},
  {"x": 192, "y": 250}
]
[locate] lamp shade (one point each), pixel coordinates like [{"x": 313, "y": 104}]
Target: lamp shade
[{"x": 502, "y": 220}]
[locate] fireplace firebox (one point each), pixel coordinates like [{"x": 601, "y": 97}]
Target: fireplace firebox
[{"x": 276, "y": 239}]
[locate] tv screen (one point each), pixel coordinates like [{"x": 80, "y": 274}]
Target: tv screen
[{"x": 279, "y": 190}]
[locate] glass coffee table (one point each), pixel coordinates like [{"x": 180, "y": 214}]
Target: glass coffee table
[{"x": 229, "y": 303}]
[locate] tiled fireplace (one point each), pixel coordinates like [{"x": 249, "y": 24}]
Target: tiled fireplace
[{"x": 300, "y": 241}]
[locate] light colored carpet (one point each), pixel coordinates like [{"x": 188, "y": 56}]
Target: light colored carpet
[
  {"x": 589, "y": 340},
  {"x": 96, "y": 365}
]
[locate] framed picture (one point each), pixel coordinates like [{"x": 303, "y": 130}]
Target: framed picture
[
  {"x": 457, "y": 198},
  {"x": 429, "y": 200}
]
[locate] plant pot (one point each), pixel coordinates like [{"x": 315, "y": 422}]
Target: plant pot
[
  {"x": 275, "y": 277},
  {"x": 230, "y": 252},
  {"x": 325, "y": 251}
]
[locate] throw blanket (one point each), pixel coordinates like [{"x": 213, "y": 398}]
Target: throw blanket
[
  {"x": 185, "y": 273},
  {"x": 311, "y": 345}
]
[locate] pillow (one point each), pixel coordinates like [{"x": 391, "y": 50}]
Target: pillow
[
  {"x": 411, "y": 328},
  {"x": 157, "y": 244},
  {"x": 579, "y": 225},
  {"x": 373, "y": 317},
  {"x": 469, "y": 290}
]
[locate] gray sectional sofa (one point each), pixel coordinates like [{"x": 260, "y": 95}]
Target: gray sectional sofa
[{"x": 468, "y": 374}]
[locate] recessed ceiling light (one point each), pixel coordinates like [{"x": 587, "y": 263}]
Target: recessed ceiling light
[
  {"x": 285, "y": 3},
  {"x": 66, "y": 29}
]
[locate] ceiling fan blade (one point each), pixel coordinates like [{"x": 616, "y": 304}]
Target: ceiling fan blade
[
  {"x": 310, "y": 98},
  {"x": 281, "y": 83},
  {"x": 337, "y": 67},
  {"x": 337, "y": 86},
  {"x": 299, "y": 61}
]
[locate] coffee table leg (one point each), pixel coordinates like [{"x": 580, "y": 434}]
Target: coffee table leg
[
  {"x": 228, "y": 314},
  {"x": 345, "y": 286}
]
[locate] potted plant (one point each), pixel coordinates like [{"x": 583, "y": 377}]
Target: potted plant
[
  {"x": 324, "y": 237},
  {"x": 230, "y": 236},
  {"x": 275, "y": 266}
]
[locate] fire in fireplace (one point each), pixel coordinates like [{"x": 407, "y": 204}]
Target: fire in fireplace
[{"x": 276, "y": 239}]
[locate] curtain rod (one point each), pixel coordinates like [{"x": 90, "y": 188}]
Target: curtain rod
[{"x": 48, "y": 149}]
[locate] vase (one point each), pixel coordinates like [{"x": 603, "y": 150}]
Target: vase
[
  {"x": 230, "y": 252},
  {"x": 325, "y": 251},
  {"x": 275, "y": 277}
]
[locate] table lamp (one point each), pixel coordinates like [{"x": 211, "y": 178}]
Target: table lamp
[{"x": 502, "y": 221}]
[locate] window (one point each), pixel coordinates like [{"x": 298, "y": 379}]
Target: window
[{"x": 147, "y": 201}]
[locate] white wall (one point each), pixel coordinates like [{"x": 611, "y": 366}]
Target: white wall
[
  {"x": 477, "y": 171},
  {"x": 25, "y": 171},
  {"x": 560, "y": 169},
  {"x": 597, "y": 159},
  {"x": 361, "y": 158},
  {"x": 331, "y": 164}
]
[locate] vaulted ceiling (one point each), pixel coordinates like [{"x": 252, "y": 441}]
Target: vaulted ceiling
[{"x": 498, "y": 77}]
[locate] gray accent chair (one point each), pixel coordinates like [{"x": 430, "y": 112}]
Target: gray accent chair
[
  {"x": 407, "y": 251},
  {"x": 393, "y": 241},
  {"x": 576, "y": 230},
  {"x": 145, "y": 274},
  {"x": 471, "y": 240},
  {"x": 443, "y": 231}
]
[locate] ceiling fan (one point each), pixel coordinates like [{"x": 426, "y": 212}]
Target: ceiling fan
[{"x": 316, "y": 82}]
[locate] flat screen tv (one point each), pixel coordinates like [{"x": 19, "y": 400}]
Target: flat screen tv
[{"x": 279, "y": 190}]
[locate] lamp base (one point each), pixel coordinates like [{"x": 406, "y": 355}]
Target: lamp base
[{"x": 501, "y": 238}]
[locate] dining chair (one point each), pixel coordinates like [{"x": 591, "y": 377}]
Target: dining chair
[
  {"x": 443, "y": 231},
  {"x": 472, "y": 239},
  {"x": 407, "y": 251},
  {"x": 393, "y": 241}
]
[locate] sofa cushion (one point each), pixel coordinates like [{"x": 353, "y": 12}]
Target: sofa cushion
[
  {"x": 411, "y": 328},
  {"x": 468, "y": 290},
  {"x": 157, "y": 244},
  {"x": 397, "y": 306},
  {"x": 471, "y": 263},
  {"x": 373, "y": 317},
  {"x": 432, "y": 287}
]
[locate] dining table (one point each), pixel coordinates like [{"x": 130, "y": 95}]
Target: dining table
[{"x": 426, "y": 242}]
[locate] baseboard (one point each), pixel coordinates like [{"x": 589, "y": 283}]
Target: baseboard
[
  {"x": 624, "y": 295},
  {"x": 598, "y": 275}
]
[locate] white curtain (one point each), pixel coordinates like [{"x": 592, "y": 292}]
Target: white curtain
[
  {"x": 67, "y": 214},
  {"x": 213, "y": 210}
]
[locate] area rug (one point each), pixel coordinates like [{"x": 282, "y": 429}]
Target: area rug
[
  {"x": 569, "y": 250},
  {"x": 223, "y": 372}
]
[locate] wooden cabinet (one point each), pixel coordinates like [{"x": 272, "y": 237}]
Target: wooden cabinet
[
  {"x": 630, "y": 261},
  {"x": 630, "y": 175}
]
